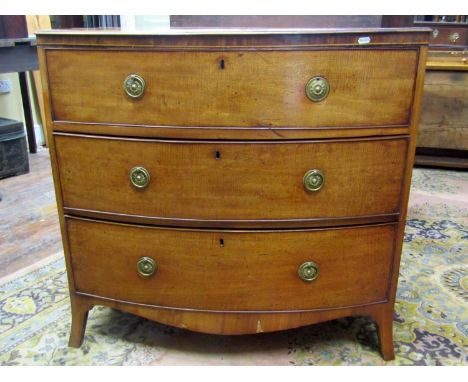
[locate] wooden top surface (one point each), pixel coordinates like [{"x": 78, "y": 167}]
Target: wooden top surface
[
  {"x": 244, "y": 38},
  {"x": 223, "y": 31},
  {"x": 448, "y": 61}
]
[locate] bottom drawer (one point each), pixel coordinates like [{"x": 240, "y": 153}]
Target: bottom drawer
[{"x": 231, "y": 270}]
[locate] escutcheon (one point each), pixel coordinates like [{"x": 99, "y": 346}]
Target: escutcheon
[
  {"x": 146, "y": 266},
  {"x": 313, "y": 180},
  {"x": 308, "y": 271},
  {"x": 317, "y": 89},
  {"x": 139, "y": 177},
  {"x": 134, "y": 86}
]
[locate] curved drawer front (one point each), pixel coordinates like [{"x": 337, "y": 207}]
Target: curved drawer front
[
  {"x": 229, "y": 270},
  {"x": 232, "y": 181},
  {"x": 265, "y": 88}
]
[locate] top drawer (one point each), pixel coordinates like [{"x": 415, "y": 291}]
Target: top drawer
[{"x": 367, "y": 87}]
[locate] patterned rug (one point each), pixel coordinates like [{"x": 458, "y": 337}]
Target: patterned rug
[{"x": 430, "y": 321}]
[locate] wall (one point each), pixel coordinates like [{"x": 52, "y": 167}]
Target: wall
[{"x": 11, "y": 105}]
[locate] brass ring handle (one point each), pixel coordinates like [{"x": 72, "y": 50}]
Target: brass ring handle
[
  {"x": 308, "y": 271},
  {"x": 146, "y": 266},
  {"x": 313, "y": 180},
  {"x": 140, "y": 177},
  {"x": 454, "y": 37},
  {"x": 134, "y": 86},
  {"x": 317, "y": 88}
]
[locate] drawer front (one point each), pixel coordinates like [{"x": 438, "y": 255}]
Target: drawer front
[
  {"x": 448, "y": 35},
  {"x": 248, "y": 270},
  {"x": 444, "y": 112},
  {"x": 232, "y": 181},
  {"x": 263, "y": 88}
]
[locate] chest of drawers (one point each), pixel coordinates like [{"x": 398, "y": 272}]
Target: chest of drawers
[{"x": 233, "y": 182}]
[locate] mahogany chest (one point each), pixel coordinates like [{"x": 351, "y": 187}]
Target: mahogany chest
[{"x": 233, "y": 181}]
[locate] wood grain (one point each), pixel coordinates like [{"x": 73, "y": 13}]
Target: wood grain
[
  {"x": 242, "y": 323},
  {"x": 447, "y": 60},
  {"x": 227, "y": 132},
  {"x": 444, "y": 115},
  {"x": 197, "y": 271},
  {"x": 367, "y": 87},
  {"x": 234, "y": 224},
  {"x": 441, "y": 160},
  {"x": 249, "y": 181},
  {"x": 57, "y": 186},
  {"x": 254, "y": 112},
  {"x": 394, "y": 271},
  {"x": 233, "y": 38},
  {"x": 445, "y": 32}
]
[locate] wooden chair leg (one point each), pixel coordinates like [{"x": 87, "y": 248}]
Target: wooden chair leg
[
  {"x": 79, "y": 309},
  {"x": 383, "y": 316}
]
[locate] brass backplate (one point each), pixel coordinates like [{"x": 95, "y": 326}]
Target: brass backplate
[
  {"x": 313, "y": 180},
  {"x": 134, "y": 86},
  {"x": 146, "y": 266},
  {"x": 139, "y": 177},
  {"x": 317, "y": 89},
  {"x": 308, "y": 271}
]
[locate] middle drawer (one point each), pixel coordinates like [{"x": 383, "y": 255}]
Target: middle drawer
[{"x": 191, "y": 182}]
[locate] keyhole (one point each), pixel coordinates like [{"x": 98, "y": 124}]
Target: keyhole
[
  {"x": 217, "y": 155},
  {"x": 221, "y": 63},
  {"x": 221, "y": 242}
]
